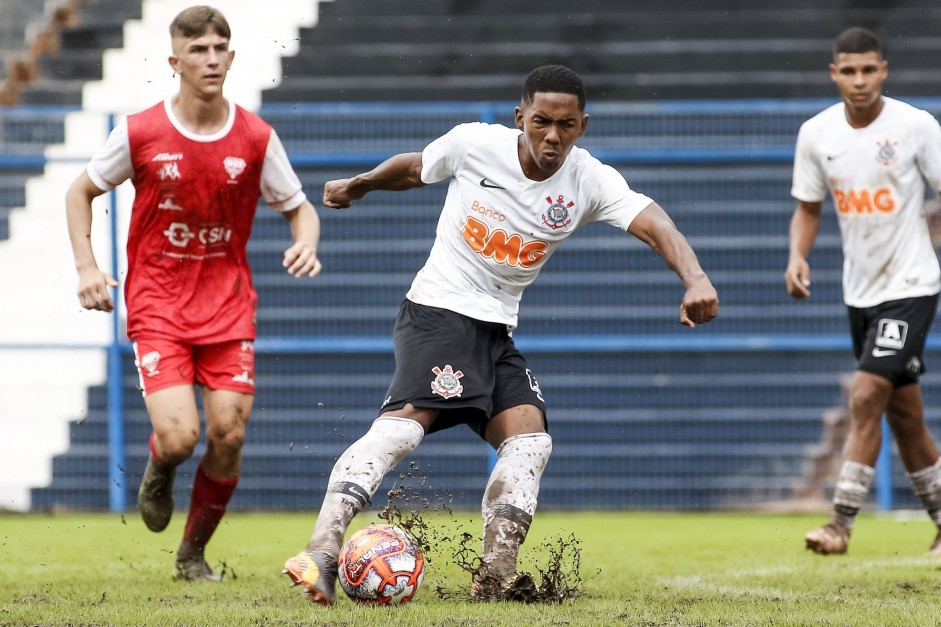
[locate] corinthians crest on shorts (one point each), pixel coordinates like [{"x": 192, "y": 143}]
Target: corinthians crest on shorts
[{"x": 447, "y": 382}]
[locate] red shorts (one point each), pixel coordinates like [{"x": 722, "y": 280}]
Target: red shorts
[{"x": 163, "y": 363}]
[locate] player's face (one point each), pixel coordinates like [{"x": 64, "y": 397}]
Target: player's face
[
  {"x": 202, "y": 62},
  {"x": 859, "y": 77},
  {"x": 550, "y": 125}
]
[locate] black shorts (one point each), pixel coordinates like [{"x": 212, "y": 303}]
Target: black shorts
[
  {"x": 889, "y": 339},
  {"x": 468, "y": 369}
]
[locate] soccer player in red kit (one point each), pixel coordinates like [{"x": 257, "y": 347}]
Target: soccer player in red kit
[{"x": 198, "y": 164}]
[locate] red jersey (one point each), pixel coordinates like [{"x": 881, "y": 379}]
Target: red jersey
[{"x": 188, "y": 276}]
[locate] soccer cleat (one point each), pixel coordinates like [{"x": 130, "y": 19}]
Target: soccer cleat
[
  {"x": 194, "y": 568},
  {"x": 317, "y": 572},
  {"x": 518, "y": 587},
  {"x": 831, "y": 539},
  {"x": 936, "y": 545},
  {"x": 155, "y": 496}
]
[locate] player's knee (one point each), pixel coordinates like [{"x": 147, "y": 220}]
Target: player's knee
[
  {"x": 905, "y": 423},
  {"x": 178, "y": 447},
  {"x": 870, "y": 394},
  {"x": 226, "y": 441}
]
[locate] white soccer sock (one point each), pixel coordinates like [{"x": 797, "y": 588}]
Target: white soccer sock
[
  {"x": 510, "y": 499},
  {"x": 927, "y": 485},
  {"x": 357, "y": 475},
  {"x": 852, "y": 488}
]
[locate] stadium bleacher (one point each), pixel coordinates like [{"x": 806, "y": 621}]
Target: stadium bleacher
[
  {"x": 477, "y": 50},
  {"x": 683, "y": 425},
  {"x": 97, "y": 25}
]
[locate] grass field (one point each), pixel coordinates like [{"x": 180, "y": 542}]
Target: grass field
[{"x": 636, "y": 569}]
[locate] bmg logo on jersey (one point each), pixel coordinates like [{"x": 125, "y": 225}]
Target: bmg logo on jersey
[
  {"x": 891, "y": 333},
  {"x": 865, "y": 201},
  {"x": 502, "y": 247}
]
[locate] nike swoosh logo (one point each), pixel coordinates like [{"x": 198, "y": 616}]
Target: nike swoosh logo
[
  {"x": 878, "y": 352},
  {"x": 485, "y": 183},
  {"x": 832, "y": 157}
]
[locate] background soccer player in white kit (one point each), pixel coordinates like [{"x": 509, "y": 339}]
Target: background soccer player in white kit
[
  {"x": 514, "y": 195},
  {"x": 198, "y": 164},
  {"x": 875, "y": 155}
]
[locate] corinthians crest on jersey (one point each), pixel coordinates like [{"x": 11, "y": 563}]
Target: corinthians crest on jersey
[{"x": 557, "y": 216}]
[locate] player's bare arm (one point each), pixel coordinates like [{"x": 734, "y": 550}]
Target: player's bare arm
[
  {"x": 93, "y": 284},
  {"x": 805, "y": 224},
  {"x": 301, "y": 258},
  {"x": 395, "y": 174},
  {"x": 655, "y": 228}
]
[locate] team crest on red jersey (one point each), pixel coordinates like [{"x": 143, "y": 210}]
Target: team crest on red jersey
[
  {"x": 234, "y": 166},
  {"x": 557, "y": 215},
  {"x": 447, "y": 382}
]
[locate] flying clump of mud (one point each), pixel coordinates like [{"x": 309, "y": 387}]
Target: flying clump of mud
[{"x": 557, "y": 561}]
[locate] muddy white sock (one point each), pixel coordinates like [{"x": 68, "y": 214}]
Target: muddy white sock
[
  {"x": 927, "y": 485},
  {"x": 852, "y": 488},
  {"x": 510, "y": 499},
  {"x": 357, "y": 475}
]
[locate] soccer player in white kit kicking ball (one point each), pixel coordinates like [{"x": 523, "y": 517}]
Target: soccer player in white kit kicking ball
[
  {"x": 515, "y": 194},
  {"x": 875, "y": 155}
]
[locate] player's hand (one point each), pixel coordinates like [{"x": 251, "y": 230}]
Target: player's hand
[
  {"x": 797, "y": 278},
  {"x": 93, "y": 289},
  {"x": 700, "y": 304},
  {"x": 301, "y": 260},
  {"x": 338, "y": 194}
]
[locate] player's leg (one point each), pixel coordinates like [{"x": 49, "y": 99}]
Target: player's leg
[
  {"x": 443, "y": 362},
  {"x": 175, "y": 421},
  {"x": 227, "y": 414},
  {"x": 905, "y": 412},
  {"x": 509, "y": 502},
  {"x": 517, "y": 431},
  {"x": 918, "y": 450},
  {"x": 355, "y": 478},
  {"x": 869, "y": 395},
  {"x": 225, "y": 372},
  {"x": 166, "y": 373}
]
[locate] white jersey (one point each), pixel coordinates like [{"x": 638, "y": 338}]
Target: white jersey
[
  {"x": 498, "y": 228},
  {"x": 877, "y": 177}
]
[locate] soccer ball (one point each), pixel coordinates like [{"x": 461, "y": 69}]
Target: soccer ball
[{"x": 381, "y": 565}]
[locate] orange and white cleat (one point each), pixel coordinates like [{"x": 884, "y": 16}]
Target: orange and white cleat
[
  {"x": 831, "y": 539},
  {"x": 316, "y": 572}
]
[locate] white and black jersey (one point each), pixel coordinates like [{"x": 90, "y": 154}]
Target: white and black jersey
[
  {"x": 498, "y": 228},
  {"x": 877, "y": 177}
]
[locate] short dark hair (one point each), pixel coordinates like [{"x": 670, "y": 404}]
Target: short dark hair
[
  {"x": 856, "y": 40},
  {"x": 197, "y": 21},
  {"x": 554, "y": 79}
]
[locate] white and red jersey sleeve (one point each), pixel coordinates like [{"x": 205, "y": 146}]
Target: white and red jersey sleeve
[{"x": 195, "y": 199}]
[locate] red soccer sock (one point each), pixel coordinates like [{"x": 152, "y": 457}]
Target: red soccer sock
[
  {"x": 153, "y": 452},
  {"x": 207, "y": 506}
]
